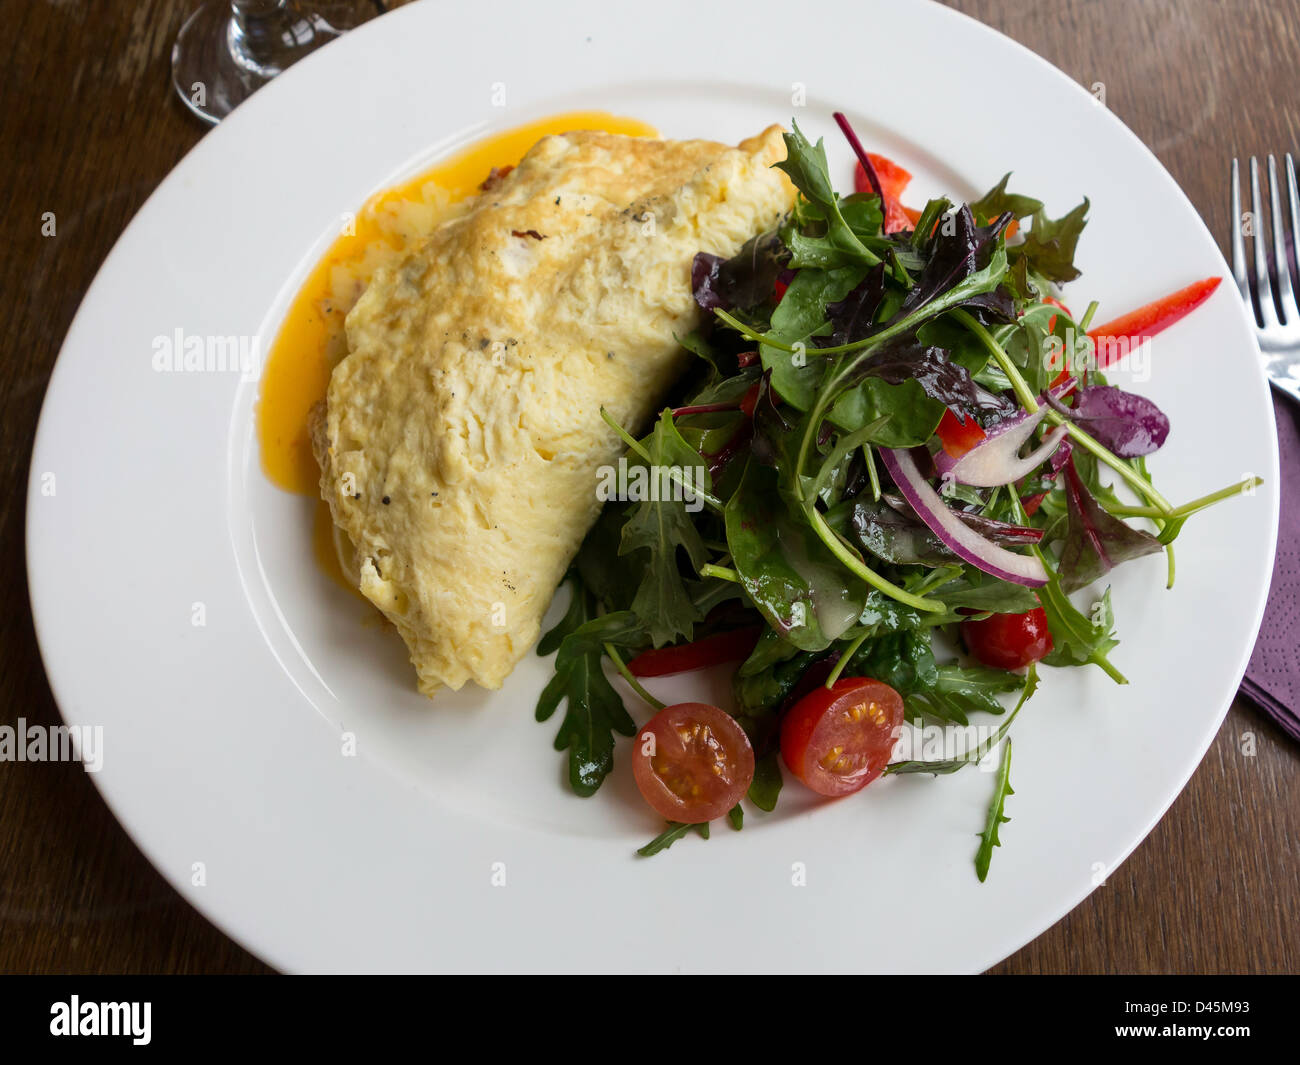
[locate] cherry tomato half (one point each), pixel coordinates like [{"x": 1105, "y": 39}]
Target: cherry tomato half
[
  {"x": 837, "y": 740},
  {"x": 1009, "y": 641},
  {"x": 692, "y": 762}
]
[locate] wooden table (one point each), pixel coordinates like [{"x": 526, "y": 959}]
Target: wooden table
[{"x": 89, "y": 126}]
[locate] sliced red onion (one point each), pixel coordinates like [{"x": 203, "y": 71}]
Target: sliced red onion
[{"x": 959, "y": 537}]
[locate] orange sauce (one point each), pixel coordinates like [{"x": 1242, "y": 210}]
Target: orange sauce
[{"x": 311, "y": 339}]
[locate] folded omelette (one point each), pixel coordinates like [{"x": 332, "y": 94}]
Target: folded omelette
[{"x": 461, "y": 436}]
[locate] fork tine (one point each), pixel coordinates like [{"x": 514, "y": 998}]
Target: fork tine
[
  {"x": 1293, "y": 203},
  {"x": 1263, "y": 287},
  {"x": 1238, "y": 244},
  {"x": 1285, "y": 294}
]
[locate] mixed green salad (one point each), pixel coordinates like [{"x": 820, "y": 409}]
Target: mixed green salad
[{"x": 893, "y": 429}]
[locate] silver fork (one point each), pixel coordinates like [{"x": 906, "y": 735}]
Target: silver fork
[{"x": 1278, "y": 335}]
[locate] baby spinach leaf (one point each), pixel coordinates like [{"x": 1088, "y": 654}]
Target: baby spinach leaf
[
  {"x": 800, "y": 314},
  {"x": 992, "y": 597},
  {"x": 903, "y": 660},
  {"x": 912, "y": 416},
  {"x": 786, "y": 570}
]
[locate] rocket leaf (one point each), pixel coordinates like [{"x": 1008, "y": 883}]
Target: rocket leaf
[
  {"x": 989, "y": 837},
  {"x": 660, "y": 526},
  {"x": 594, "y": 711}
]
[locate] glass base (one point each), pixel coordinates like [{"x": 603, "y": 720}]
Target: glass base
[{"x": 216, "y": 65}]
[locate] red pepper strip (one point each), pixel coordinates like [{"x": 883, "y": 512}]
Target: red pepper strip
[
  {"x": 750, "y": 400},
  {"x": 956, "y": 438},
  {"x": 1032, "y": 503},
  {"x": 687, "y": 657},
  {"x": 893, "y": 180},
  {"x": 1051, "y": 322},
  {"x": 1146, "y": 322},
  {"x": 1115, "y": 339}
]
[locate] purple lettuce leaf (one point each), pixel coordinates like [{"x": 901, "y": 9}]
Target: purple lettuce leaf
[
  {"x": 1128, "y": 424},
  {"x": 954, "y": 256},
  {"x": 1095, "y": 541},
  {"x": 940, "y": 376},
  {"x": 744, "y": 280},
  {"x": 852, "y": 317}
]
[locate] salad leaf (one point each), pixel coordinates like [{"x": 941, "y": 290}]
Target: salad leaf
[
  {"x": 903, "y": 660},
  {"x": 759, "y": 693},
  {"x": 863, "y": 214},
  {"x": 939, "y": 376},
  {"x": 958, "y": 691},
  {"x": 951, "y": 765},
  {"x": 892, "y": 531},
  {"x": 881, "y": 615},
  {"x": 1049, "y": 245},
  {"x": 670, "y": 835},
  {"x": 1077, "y": 639},
  {"x": 907, "y": 416},
  {"x": 743, "y": 281},
  {"x": 1095, "y": 541},
  {"x": 989, "y": 837},
  {"x": 594, "y": 711},
  {"x": 966, "y": 260},
  {"x": 852, "y": 317},
  {"x": 800, "y": 314},
  {"x": 1128, "y": 424},
  {"x": 574, "y": 616},
  {"x": 787, "y": 572},
  {"x": 993, "y": 596},
  {"x": 805, "y": 163},
  {"x": 997, "y": 201},
  {"x": 660, "y": 527},
  {"x": 766, "y": 787}
]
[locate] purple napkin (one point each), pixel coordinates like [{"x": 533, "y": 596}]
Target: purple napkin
[{"x": 1272, "y": 680}]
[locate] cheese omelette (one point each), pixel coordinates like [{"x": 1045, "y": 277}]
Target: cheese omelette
[{"x": 461, "y": 435}]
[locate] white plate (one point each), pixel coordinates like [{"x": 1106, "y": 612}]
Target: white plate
[{"x": 222, "y": 743}]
